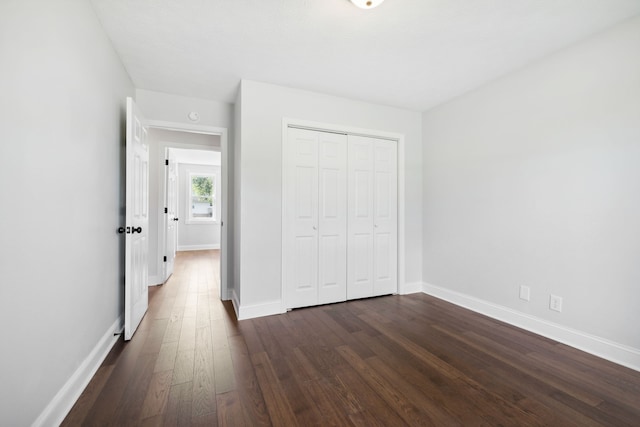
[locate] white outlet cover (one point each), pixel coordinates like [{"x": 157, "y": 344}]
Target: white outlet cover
[
  {"x": 555, "y": 303},
  {"x": 525, "y": 293}
]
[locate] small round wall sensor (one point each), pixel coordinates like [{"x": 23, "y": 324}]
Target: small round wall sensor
[{"x": 194, "y": 116}]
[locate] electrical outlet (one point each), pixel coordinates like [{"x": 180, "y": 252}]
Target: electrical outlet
[
  {"x": 555, "y": 303},
  {"x": 525, "y": 293}
]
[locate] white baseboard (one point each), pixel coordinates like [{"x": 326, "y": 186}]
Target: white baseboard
[
  {"x": 63, "y": 401},
  {"x": 601, "y": 347},
  {"x": 410, "y": 288},
  {"x": 155, "y": 280},
  {"x": 198, "y": 247},
  {"x": 259, "y": 310}
]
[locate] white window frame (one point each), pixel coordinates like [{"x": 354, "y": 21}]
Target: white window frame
[{"x": 215, "y": 208}]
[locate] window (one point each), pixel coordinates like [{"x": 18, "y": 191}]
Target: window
[{"x": 202, "y": 197}]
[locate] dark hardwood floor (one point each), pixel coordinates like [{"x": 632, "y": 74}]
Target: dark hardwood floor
[{"x": 388, "y": 361}]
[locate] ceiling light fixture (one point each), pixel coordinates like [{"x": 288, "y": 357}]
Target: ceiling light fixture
[{"x": 366, "y": 4}]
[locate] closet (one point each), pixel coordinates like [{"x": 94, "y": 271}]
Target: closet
[
  {"x": 340, "y": 217},
  {"x": 372, "y": 217}
]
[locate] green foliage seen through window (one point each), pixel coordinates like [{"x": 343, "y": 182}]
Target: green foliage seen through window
[{"x": 202, "y": 189}]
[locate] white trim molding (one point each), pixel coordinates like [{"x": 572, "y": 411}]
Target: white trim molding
[
  {"x": 63, "y": 401},
  {"x": 597, "y": 346},
  {"x": 410, "y": 288},
  {"x": 244, "y": 312},
  {"x": 197, "y": 247}
]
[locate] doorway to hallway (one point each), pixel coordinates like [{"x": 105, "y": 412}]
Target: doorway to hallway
[{"x": 178, "y": 366}]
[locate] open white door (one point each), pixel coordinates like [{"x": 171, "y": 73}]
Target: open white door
[
  {"x": 137, "y": 221},
  {"x": 171, "y": 212}
]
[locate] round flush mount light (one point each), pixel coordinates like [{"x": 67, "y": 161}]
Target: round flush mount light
[
  {"x": 366, "y": 4},
  {"x": 194, "y": 116}
]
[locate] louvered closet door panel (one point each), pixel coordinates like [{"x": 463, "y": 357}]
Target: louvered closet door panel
[
  {"x": 301, "y": 281},
  {"x": 332, "y": 217},
  {"x": 385, "y": 222},
  {"x": 360, "y": 216}
]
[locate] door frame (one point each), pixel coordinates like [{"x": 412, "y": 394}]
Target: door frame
[
  {"x": 165, "y": 219},
  {"x": 224, "y": 175},
  {"x": 288, "y": 122}
]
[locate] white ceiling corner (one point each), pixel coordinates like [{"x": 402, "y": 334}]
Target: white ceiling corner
[{"x": 411, "y": 54}]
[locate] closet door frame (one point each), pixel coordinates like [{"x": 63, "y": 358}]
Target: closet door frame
[{"x": 347, "y": 130}]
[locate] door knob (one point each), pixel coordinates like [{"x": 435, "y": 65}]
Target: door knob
[
  {"x": 136, "y": 230},
  {"x": 175, "y": 219},
  {"x": 314, "y": 227}
]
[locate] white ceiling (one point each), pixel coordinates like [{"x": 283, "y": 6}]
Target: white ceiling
[{"x": 413, "y": 54}]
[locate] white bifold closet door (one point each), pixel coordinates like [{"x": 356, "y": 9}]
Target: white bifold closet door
[
  {"x": 372, "y": 217},
  {"x": 315, "y": 246}
]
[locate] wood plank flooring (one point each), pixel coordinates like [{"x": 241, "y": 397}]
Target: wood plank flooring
[{"x": 389, "y": 361}]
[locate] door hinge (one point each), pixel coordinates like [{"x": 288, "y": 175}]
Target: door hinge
[
  {"x": 166, "y": 210},
  {"x": 164, "y": 259},
  {"x": 166, "y": 162}
]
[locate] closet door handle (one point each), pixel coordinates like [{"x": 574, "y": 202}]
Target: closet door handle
[{"x": 314, "y": 227}]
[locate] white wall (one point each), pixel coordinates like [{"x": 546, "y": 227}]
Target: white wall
[
  {"x": 62, "y": 104},
  {"x": 263, "y": 107},
  {"x": 196, "y": 236},
  {"x": 175, "y": 108},
  {"x": 159, "y": 141},
  {"x": 535, "y": 180}
]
